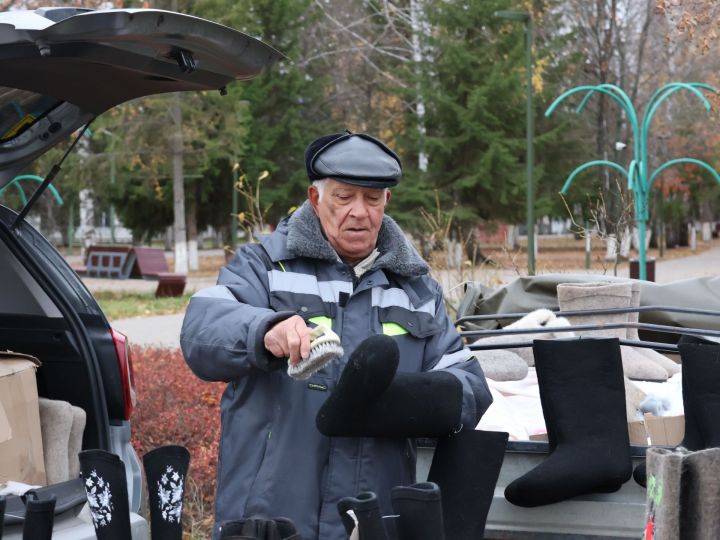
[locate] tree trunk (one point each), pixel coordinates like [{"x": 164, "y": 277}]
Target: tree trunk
[
  {"x": 193, "y": 255},
  {"x": 179, "y": 228}
]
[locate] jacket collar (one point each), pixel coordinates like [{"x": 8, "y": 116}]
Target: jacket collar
[{"x": 305, "y": 239}]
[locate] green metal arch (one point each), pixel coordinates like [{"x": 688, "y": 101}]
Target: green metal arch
[
  {"x": 16, "y": 183},
  {"x": 683, "y": 160},
  {"x": 587, "y": 165}
]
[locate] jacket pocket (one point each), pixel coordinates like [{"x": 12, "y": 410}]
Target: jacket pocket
[{"x": 397, "y": 321}]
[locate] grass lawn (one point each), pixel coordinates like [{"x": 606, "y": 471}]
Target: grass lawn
[{"x": 124, "y": 305}]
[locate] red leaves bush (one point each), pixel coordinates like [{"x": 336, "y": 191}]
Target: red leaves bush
[{"x": 175, "y": 407}]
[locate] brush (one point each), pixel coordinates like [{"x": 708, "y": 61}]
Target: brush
[{"x": 325, "y": 346}]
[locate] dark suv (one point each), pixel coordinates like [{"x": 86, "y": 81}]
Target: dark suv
[{"x": 61, "y": 67}]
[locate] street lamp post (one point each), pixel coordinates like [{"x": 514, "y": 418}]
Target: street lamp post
[{"x": 525, "y": 17}]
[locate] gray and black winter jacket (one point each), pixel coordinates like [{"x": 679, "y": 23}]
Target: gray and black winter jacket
[{"x": 272, "y": 459}]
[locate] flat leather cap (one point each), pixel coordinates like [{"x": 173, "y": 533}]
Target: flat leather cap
[{"x": 353, "y": 158}]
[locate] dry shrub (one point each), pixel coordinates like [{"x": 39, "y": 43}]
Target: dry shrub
[{"x": 175, "y": 407}]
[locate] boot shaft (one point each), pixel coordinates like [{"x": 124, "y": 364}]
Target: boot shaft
[
  {"x": 701, "y": 391},
  {"x": 39, "y": 518},
  {"x": 419, "y": 510},
  {"x": 582, "y": 389},
  {"x": 593, "y": 296},
  {"x": 166, "y": 469},
  {"x": 466, "y": 467},
  {"x": 105, "y": 483}
]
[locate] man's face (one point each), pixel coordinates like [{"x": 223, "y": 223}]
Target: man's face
[{"x": 350, "y": 217}]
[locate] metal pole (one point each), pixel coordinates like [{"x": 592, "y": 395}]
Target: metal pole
[
  {"x": 71, "y": 227},
  {"x": 530, "y": 157}
]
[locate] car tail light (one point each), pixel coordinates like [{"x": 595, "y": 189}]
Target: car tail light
[{"x": 127, "y": 376}]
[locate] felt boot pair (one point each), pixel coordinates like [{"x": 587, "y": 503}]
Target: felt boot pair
[
  {"x": 582, "y": 394},
  {"x": 373, "y": 399},
  {"x": 452, "y": 504},
  {"x": 638, "y": 363},
  {"x": 105, "y": 483},
  {"x": 700, "y": 394},
  {"x": 417, "y": 514}
]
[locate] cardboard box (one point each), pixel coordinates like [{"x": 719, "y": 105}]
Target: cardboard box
[
  {"x": 21, "y": 450},
  {"x": 665, "y": 430},
  {"x": 636, "y": 431}
]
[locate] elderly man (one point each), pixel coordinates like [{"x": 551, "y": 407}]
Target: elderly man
[{"x": 337, "y": 261}]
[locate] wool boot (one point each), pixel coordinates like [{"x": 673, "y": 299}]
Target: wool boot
[
  {"x": 501, "y": 364},
  {"x": 368, "y": 519},
  {"x": 582, "y": 394},
  {"x": 682, "y": 497},
  {"x": 56, "y": 418},
  {"x": 632, "y": 333},
  {"x": 419, "y": 509},
  {"x": 75, "y": 441},
  {"x": 606, "y": 295},
  {"x": 700, "y": 365},
  {"x": 166, "y": 468},
  {"x": 466, "y": 467},
  {"x": 663, "y": 494},
  {"x": 372, "y": 400},
  {"x": 39, "y": 517},
  {"x": 106, "y": 487},
  {"x": 278, "y": 528}
]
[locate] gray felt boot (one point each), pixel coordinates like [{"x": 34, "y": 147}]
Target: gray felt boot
[
  {"x": 56, "y": 418},
  {"x": 606, "y": 295},
  {"x": 632, "y": 333},
  {"x": 75, "y": 443},
  {"x": 682, "y": 496},
  {"x": 501, "y": 364}
]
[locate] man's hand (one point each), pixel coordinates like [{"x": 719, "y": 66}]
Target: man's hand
[{"x": 289, "y": 339}]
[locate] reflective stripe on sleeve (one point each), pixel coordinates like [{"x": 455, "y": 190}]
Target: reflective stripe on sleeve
[{"x": 453, "y": 358}]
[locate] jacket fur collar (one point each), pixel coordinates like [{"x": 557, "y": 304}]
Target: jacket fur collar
[{"x": 306, "y": 239}]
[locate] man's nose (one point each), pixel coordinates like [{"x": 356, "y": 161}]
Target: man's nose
[{"x": 358, "y": 208}]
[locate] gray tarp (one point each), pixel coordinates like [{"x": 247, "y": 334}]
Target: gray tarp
[{"x": 526, "y": 294}]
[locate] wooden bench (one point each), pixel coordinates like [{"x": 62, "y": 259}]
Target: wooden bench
[
  {"x": 124, "y": 262},
  {"x": 150, "y": 263}
]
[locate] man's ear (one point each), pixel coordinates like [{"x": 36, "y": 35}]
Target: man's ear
[
  {"x": 314, "y": 197},
  {"x": 387, "y": 196}
]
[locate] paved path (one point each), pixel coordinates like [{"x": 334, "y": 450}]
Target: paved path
[{"x": 164, "y": 330}]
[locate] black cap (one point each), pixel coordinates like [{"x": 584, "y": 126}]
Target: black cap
[{"x": 353, "y": 158}]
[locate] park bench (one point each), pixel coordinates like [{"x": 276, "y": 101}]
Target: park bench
[{"x": 126, "y": 262}]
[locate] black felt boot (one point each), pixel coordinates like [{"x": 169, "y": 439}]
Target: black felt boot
[
  {"x": 701, "y": 396},
  {"x": 103, "y": 474},
  {"x": 166, "y": 468},
  {"x": 466, "y": 466},
  {"x": 278, "y": 528},
  {"x": 582, "y": 393},
  {"x": 419, "y": 509},
  {"x": 367, "y": 513},
  {"x": 372, "y": 400},
  {"x": 39, "y": 517}
]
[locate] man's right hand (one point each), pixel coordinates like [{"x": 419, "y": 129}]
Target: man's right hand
[{"x": 289, "y": 339}]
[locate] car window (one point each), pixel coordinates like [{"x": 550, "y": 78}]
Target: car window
[{"x": 20, "y": 109}]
